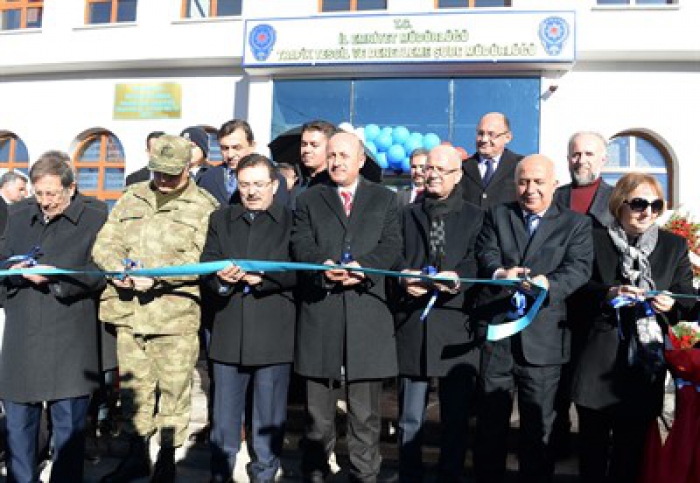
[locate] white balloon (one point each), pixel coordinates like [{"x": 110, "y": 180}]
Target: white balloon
[
  {"x": 346, "y": 126},
  {"x": 360, "y": 132}
]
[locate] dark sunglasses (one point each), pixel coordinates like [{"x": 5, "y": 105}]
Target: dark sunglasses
[{"x": 640, "y": 204}]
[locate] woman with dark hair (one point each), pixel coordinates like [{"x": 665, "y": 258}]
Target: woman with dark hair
[{"x": 618, "y": 384}]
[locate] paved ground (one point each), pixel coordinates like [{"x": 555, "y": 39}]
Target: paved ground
[{"x": 193, "y": 459}]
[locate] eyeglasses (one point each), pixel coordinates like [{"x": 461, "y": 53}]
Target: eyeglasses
[
  {"x": 492, "y": 135},
  {"x": 256, "y": 184},
  {"x": 50, "y": 194},
  {"x": 442, "y": 172},
  {"x": 640, "y": 205}
]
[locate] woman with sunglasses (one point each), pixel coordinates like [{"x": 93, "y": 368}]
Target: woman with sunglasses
[{"x": 619, "y": 381}]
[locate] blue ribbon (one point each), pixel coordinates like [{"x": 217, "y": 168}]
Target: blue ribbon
[
  {"x": 681, "y": 383},
  {"x": 495, "y": 332},
  {"x": 29, "y": 258},
  {"x": 429, "y": 270}
]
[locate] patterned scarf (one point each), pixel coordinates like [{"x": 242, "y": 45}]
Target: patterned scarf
[
  {"x": 437, "y": 211},
  {"x": 635, "y": 258}
]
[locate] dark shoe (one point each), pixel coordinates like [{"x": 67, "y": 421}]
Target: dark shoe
[
  {"x": 136, "y": 464},
  {"x": 165, "y": 470},
  {"x": 201, "y": 436}
]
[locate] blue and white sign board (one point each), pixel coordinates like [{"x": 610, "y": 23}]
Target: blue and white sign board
[{"x": 541, "y": 37}]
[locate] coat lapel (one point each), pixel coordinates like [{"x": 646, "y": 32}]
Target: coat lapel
[
  {"x": 360, "y": 201},
  {"x": 471, "y": 169},
  {"x": 519, "y": 232},
  {"x": 329, "y": 193},
  {"x": 544, "y": 230}
]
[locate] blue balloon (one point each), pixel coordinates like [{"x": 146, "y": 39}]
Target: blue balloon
[
  {"x": 400, "y": 135},
  {"x": 430, "y": 140},
  {"x": 381, "y": 160},
  {"x": 383, "y": 142},
  {"x": 395, "y": 155},
  {"x": 406, "y": 164},
  {"x": 371, "y": 132},
  {"x": 387, "y": 130},
  {"x": 417, "y": 136},
  {"x": 371, "y": 147},
  {"x": 411, "y": 145}
]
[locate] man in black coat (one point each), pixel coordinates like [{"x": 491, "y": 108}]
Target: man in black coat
[
  {"x": 587, "y": 194},
  {"x": 144, "y": 174},
  {"x": 439, "y": 232},
  {"x": 488, "y": 174},
  {"x": 236, "y": 141},
  {"x": 253, "y": 334},
  {"x": 531, "y": 237},
  {"x": 50, "y": 350},
  {"x": 413, "y": 192},
  {"x": 13, "y": 188},
  {"x": 345, "y": 330}
]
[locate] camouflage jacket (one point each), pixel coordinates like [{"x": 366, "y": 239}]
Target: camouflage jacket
[{"x": 172, "y": 235}]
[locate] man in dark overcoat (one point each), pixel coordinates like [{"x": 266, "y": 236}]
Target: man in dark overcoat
[
  {"x": 254, "y": 314},
  {"x": 532, "y": 237},
  {"x": 50, "y": 351},
  {"x": 438, "y": 232},
  {"x": 345, "y": 329}
]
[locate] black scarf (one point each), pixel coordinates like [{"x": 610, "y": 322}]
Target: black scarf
[{"x": 437, "y": 211}]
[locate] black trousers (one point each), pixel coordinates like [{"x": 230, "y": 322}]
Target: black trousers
[
  {"x": 504, "y": 371},
  {"x": 364, "y": 427}
]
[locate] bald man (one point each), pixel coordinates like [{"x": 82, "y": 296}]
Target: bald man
[
  {"x": 345, "y": 331},
  {"x": 439, "y": 231},
  {"x": 541, "y": 242}
]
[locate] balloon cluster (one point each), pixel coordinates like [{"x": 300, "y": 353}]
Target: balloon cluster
[{"x": 392, "y": 147}]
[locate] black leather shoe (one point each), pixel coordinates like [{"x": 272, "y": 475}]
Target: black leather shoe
[
  {"x": 136, "y": 464},
  {"x": 165, "y": 470}
]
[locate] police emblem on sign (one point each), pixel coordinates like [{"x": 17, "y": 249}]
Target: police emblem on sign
[
  {"x": 262, "y": 40},
  {"x": 554, "y": 31}
]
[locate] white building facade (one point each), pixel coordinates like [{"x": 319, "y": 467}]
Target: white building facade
[{"x": 629, "y": 69}]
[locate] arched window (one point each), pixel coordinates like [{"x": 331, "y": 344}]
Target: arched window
[
  {"x": 13, "y": 153},
  {"x": 639, "y": 152},
  {"x": 99, "y": 162}
]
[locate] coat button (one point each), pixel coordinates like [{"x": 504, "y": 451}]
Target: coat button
[{"x": 484, "y": 196}]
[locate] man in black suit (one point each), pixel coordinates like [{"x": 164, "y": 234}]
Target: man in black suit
[
  {"x": 252, "y": 344},
  {"x": 587, "y": 194},
  {"x": 530, "y": 237},
  {"x": 411, "y": 194},
  {"x": 345, "y": 330},
  {"x": 13, "y": 188},
  {"x": 236, "y": 141},
  {"x": 439, "y": 231},
  {"x": 144, "y": 174},
  {"x": 313, "y": 166},
  {"x": 488, "y": 174}
]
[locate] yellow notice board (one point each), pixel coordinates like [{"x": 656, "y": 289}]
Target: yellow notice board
[{"x": 148, "y": 101}]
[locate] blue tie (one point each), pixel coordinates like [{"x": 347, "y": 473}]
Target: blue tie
[
  {"x": 533, "y": 222},
  {"x": 489, "y": 172}
]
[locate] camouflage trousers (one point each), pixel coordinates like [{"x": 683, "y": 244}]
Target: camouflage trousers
[{"x": 162, "y": 363}]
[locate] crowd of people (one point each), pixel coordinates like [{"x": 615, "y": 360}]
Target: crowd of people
[{"x": 346, "y": 329}]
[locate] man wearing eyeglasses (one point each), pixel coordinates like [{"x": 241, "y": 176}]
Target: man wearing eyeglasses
[
  {"x": 252, "y": 343},
  {"x": 587, "y": 194},
  {"x": 544, "y": 243},
  {"x": 489, "y": 173},
  {"x": 433, "y": 335},
  {"x": 156, "y": 224},
  {"x": 50, "y": 352}
]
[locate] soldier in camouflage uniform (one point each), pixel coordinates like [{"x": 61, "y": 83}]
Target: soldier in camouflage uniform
[{"x": 155, "y": 223}]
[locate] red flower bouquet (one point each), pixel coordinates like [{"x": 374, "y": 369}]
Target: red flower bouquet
[
  {"x": 684, "y": 226},
  {"x": 678, "y": 459}
]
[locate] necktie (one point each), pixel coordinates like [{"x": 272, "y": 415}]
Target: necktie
[
  {"x": 231, "y": 182},
  {"x": 347, "y": 201},
  {"x": 533, "y": 222},
  {"x": 489, "y": 172}
]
